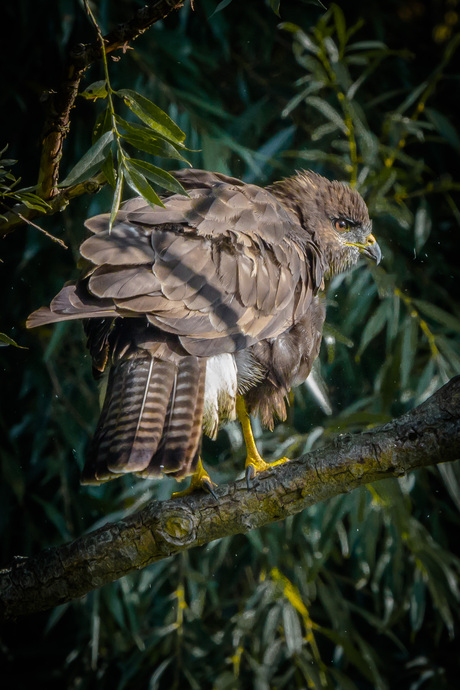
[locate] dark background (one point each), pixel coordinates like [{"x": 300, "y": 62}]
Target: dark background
[{"x": 359, "y": 592}]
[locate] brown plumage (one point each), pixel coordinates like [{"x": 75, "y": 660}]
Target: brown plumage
[{"x": 215, "y": 295}]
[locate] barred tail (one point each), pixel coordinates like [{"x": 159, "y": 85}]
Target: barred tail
[{"x": 151, "y": 420}]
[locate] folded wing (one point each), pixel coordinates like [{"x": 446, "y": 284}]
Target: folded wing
[{"x": 222, "y": 268}]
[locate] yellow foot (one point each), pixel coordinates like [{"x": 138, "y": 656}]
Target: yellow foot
[
  {"x": 254, "y": 461},
  {"x": 200, "y": 481},
  {"x": 255, "y": 464}
]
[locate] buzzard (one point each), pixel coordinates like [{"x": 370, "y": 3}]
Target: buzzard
[{"x": 206, "y": 309}]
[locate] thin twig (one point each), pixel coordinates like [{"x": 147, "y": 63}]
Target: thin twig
[{"x": 48, "y": 234}]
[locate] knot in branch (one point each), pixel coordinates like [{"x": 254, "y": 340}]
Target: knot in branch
[{"x": 177, "y": 526}]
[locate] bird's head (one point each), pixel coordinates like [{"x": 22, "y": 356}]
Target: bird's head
[{"x": 333, "y": 215}]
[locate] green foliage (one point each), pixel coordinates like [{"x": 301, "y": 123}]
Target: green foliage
[
  {"x": 158, "y": 135},
  {"x": 9, "y": 194},
  {"x": 6, "y": 340},
  {"x": 359, "y": 592}
]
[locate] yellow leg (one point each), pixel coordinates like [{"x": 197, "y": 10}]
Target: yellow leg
[
  {"x": 200, "y": 481},
  {"x": 254, "y": 461}
]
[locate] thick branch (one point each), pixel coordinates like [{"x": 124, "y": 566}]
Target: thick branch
[
  {"x": 428, "y": 435},
  {"x": 60, "y": 104}
]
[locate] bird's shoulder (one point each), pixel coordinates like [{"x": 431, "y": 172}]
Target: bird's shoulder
[{"x": 215, "y": 206}]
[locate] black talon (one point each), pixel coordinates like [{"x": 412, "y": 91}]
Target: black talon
[
  {"x": 250, "y": 474},
  {"x": 207, "y": 486}
]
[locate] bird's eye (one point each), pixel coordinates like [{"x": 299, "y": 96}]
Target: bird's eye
[{"x": 341, "y": 225}]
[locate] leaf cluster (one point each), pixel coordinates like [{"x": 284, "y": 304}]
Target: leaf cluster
[
  {"x": 9, "y": 193},
  {"x": 157, "y": 135}
]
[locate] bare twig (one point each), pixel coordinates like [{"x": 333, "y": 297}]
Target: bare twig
[
  {"x": 427, "y": 435},
  {"x": 48, "y": 234}
]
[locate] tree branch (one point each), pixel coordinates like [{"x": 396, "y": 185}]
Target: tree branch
[
  {"x": 427, "y": 435},
  {"x": 60, "y": 104}
]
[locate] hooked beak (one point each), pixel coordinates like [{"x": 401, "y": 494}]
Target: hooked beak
[{"x": 372, "y": 249}]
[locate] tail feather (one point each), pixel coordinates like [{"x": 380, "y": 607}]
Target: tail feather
[
  {"x": 150, "y": 423},
  {"x": 71, "y": 303},
  {"x": 44, "y": 316},
  {"x": 178, "y": 451},
  {"x": 197, "y": 423},
  {"x": 152, "y": 415}
]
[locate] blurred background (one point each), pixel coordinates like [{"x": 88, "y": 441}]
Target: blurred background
[{"x": 360, "y": 592}]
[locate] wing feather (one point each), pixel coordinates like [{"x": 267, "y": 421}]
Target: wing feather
[
  {"x": 121, "y": 283},
  {"x": 124, "y": 245}
]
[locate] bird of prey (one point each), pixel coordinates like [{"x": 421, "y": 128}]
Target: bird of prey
[{"x": 206, "y": 309}]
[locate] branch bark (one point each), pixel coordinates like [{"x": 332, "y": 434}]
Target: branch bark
[
  {"x": 427, "y": 435},
  {"x": 60, "y": 104}
]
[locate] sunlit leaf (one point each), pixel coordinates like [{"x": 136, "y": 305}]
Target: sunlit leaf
[
  {"x": 323, "y": 131},
  {"x": 422, "y": 226},
  {"x": 300, "y": 36},
  {"x": 108, "y": 168},
  {"x": 157, "y": 175},
  {"x": 332, "y": 51},
  {"x": 294, "y": 102},
  {"x": 6, "y": 340},
  {"x": 437, "y": 314},
  {"x": 152, "y": 116},
  {"x": 116, "y": 197},
  {"x": 144, "y": 141},
  {"x": 292, "y": 629},
  {"x": 329, "y": 112},
  {"x": 340, "y": 25},
  {"x": 139, "y": 184},
  {"x": 374, "y": 326},
  {"x": 91, "y": 161},
  {"x": 275, "y": 5},
  {"x": 32, "y": 201},
  {"x": 155, "y": 678},
  {"x": 330, "y": 331},
  {"x": 98, "y": 89}
]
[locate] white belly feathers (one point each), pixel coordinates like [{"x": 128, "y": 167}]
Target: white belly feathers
[{"x": 220, "y": 392}]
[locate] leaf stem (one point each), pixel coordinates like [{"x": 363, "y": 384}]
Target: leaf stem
[
  {"x": 421, "y": 322},
  {"x": 121, "y": 156},
  {"x": 343, "y": 101}
]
